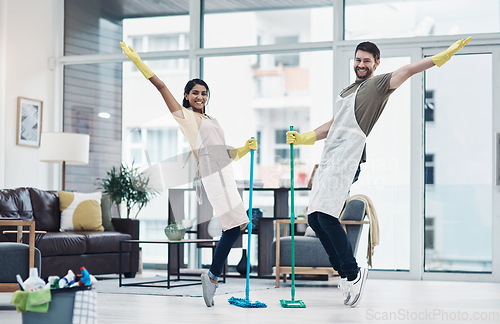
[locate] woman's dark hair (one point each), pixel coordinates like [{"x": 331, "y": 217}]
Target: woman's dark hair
[
  {"x": 370, "y": 48},
  {"x": 189, "y": 86}
]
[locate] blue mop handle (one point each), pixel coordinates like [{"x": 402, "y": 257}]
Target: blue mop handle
[
  {"x": 250, "y": 216},
  {"x": 292, "y": 218}
]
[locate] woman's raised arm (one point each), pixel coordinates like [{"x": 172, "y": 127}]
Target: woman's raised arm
[{"x": 172, "y": 104}]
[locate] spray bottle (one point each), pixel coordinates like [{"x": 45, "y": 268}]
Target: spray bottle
[
  {"x": 85, "y": 277},
  {"x": 67, "y": 280}
]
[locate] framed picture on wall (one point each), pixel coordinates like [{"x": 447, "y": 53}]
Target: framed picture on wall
[{"x": 29, "y": 121}]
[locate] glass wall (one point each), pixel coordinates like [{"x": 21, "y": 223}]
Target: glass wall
[
  {"x": 459, "y": 138},
  {"x": 264, "y": 79},
  {"x": 310, "y": 22},
  {"x": 420, "y": 18},
  {"x": 254, "y": 95},
  {"x": 170, "y": 33}
]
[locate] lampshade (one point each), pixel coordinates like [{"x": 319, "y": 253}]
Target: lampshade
[{"x": 71, "y": 148}]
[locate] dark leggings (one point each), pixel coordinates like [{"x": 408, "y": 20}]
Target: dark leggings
[
  {"x": 225, "y": 244},
  {"x": 336, "y": 243}
]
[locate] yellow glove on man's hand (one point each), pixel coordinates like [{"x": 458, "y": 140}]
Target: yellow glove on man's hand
[
  {"x": 136, "y": 59},
  {"x": 238, "y": 153},
  {"x": 443, "y": 57},
  {"x": 293, "y": 137}
]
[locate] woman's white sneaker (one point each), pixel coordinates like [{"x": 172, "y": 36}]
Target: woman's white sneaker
[{"x": 208, "y": 289}]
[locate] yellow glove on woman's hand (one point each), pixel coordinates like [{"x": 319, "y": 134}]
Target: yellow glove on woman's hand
[
  {"x": 238, "y": 153},
  {"x": 443, "y": 57},
  {"x": 136, "y": 59},
  {"x": 293, "y": 137}
]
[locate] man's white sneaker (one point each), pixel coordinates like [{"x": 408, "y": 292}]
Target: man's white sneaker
[
  {"x": 344, "y": 288},
  {"x": 356, "y": 287},
  {"x": 208, "y": 289}
]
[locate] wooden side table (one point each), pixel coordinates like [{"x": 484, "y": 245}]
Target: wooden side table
[
  {"x": 10, "y": 287},
  {"x": 38, "y": 235}
]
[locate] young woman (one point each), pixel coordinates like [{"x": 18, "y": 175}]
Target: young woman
[{"x": 208, "y": 146}]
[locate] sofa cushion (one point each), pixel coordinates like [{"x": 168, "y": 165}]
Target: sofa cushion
[
  {"x": 62, "y": 243},
  {"x": 45, "y": 210},
  {"x": 16, "y": 203},
  {"x": 80, "y": 211},
  {"x": 105, "y": 242}
]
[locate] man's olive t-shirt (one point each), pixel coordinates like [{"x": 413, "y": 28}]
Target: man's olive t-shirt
[{"x": 370, "y": 101}]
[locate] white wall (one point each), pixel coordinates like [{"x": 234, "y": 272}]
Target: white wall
[
  {"x": 26, "y": 43},
  {"x": 3, "y": 39}
]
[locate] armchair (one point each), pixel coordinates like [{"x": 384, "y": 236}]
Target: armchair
[
  {"x": 310, "y": 256},
  {"x": 17, "y": 258}
]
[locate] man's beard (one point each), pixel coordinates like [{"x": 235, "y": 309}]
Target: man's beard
[{"x": 363, "y": 75}]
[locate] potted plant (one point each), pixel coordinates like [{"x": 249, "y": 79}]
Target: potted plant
[{"x": 128, "y": 185}]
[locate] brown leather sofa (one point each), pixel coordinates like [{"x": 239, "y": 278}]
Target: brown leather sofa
[{"x": 62, "y": 251}]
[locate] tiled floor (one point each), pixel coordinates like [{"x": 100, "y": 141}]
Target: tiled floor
[{"x": 386, "y": 301}]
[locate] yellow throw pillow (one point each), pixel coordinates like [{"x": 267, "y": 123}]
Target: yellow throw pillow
[{"x": 80, "y": 211}]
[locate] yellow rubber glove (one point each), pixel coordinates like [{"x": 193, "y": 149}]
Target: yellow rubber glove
[
  {"x": 443, "y": 57},
  {"x": 136, "y": 59},
  {"x": 293, "y": 137},
  {"x": 238, "y": 153}
]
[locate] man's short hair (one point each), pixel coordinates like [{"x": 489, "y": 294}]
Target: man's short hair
[{"x": 370, "y": 48}]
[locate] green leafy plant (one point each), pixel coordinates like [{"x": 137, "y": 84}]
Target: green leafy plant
[{"x": 128, "y": 185}]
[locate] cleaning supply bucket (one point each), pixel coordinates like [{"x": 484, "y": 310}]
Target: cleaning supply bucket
[{"x": 61, "y": 307}]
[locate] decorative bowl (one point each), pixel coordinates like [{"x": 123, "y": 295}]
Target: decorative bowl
[{"x": 175, "y": 232}]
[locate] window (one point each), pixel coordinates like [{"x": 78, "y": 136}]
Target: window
[
  {"x": 148, "y": 146},
  {"x": 157, "y": 43},
  {"x": 257, "y": 155},
  {"x": 420, "y": 18},
  {"x": 282, "y": 149},
  {"x": 429, "y": 106},
  {"x": 265, "y": 22},
  {"x": 287, "y": 59},
  {"x": 429, "y": 233},
  {"x": 244, "y": 112},
  {"x": 429, "y": 169},
  {"x": 460, "y": 199},
  {"x": 280, "y": 136}
]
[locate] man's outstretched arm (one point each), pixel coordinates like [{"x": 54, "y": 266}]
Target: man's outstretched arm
[{"x": 404, "y": 73}]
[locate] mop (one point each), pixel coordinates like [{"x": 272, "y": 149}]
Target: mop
[
  {"x": 292, "y": 303},
  {"x": 246, "y": 303}
]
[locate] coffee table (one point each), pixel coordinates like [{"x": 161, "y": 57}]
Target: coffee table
[{"x": 168, "y": 280}]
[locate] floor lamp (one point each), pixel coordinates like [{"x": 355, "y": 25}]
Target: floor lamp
[{"x": 65, "y": 148}]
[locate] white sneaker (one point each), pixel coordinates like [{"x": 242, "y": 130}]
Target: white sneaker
[
  {"x": 344, "y": 288},
  {"x": 208, "y": 289},
  {"x": 356, "y": 287}
]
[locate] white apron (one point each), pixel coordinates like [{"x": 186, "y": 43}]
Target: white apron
[
  {"x": 339, "y": 161},
  {"x": 217, "y": 175}
]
